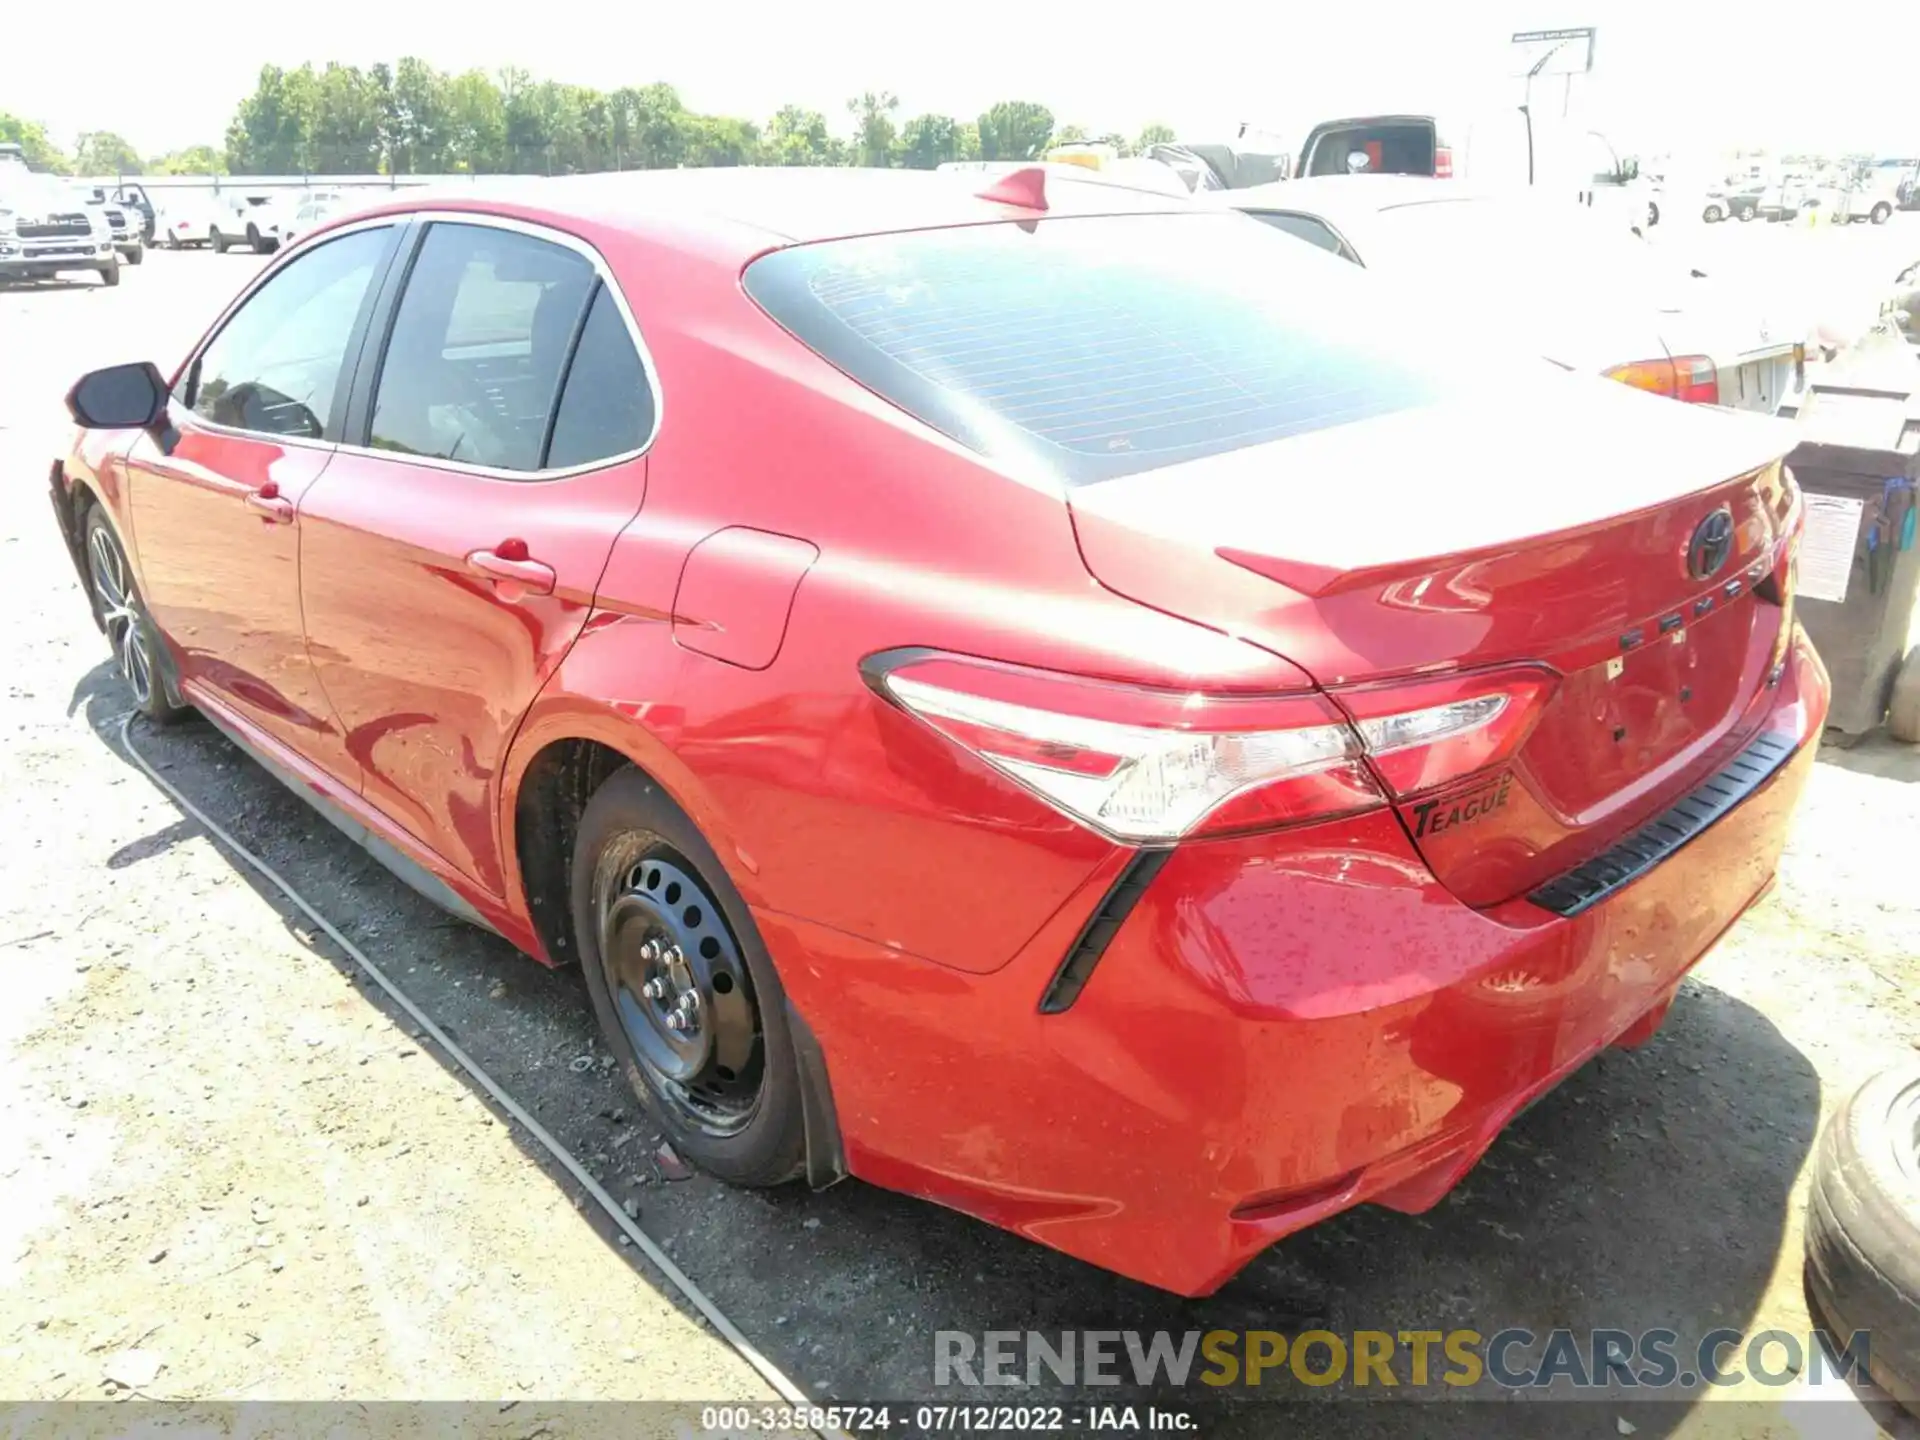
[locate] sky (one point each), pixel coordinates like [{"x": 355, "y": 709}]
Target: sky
[{"x": 1669, "y": 76}]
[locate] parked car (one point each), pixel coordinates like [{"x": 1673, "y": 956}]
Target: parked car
[
  {"x": 251, "y": 219},
  {"x": 1500, "y": 148},
  {"x": 314, "y": 209},
  {"x": 187, "y": 220},
  {"x": 1029, "y": 693},
  {"x": 1586, "y": 295},
  {"x": 1741, "y": 204},
  {"x": 135, "y": 198},
  {"x": 1872, "y": 196},
  {"x": 46, "y": 230},
  {"x": 123, "y": 224}
]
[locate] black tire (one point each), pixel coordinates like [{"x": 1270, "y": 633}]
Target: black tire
[
  {"x": 136, "y": 257},
  {"x": 257, "y": 242},
  {"x": 137, "y": 647},
  {"x": 741, "y": 1122},
  {"x": 1863, "y": 1228},
  {"x": 217, "y": 241},
  {"x": 1713, "y": 215},
  {"x": 1653, "y": 214},
  {"x": 1880, "y": 213},
  {"x": 110, "y": 274}
]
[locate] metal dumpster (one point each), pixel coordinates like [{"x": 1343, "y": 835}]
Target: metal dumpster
[{"x": 1859, "y": 567}]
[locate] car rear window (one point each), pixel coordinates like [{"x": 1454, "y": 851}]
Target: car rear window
[
  {"x": 1097, "y": 347},
  {"x": 1397, "y": 147}
]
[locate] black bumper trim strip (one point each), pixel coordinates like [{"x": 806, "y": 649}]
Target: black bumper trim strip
[
  {"x": 1105, "y": 922},
  {"x": 1587, "y": 885}
]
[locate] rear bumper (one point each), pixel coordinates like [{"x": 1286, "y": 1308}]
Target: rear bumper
[
  {"x": 1284, "y": 1027},
  {"x": 31, "y": 262}
]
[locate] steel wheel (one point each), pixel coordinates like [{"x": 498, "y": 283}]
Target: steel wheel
[
  {"x": 120, "y": 615},
  {"x": 680, "y": 986}
]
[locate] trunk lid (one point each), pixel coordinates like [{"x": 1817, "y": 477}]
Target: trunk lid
[{"x": 1550, "y": 526}]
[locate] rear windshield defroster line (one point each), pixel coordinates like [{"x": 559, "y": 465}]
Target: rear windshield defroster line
[{"x": 1102, "y": 346}]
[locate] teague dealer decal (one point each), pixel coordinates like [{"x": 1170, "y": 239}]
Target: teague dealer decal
[{"x": 1434, "y": 816}]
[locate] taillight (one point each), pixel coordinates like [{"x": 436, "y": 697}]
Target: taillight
[
  {"x": 1150, "y": 767},
  {"x": 1692, "y": 378},
  {"x": 1423, "y": 734},
  {"x": 1443, "y": 162},
  {"x": 1143, "y": 766}
]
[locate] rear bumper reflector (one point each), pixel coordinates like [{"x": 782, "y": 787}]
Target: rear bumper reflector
[
  {"x": 1587, "y": 885},
  {"x": 1101, "y": 927}
]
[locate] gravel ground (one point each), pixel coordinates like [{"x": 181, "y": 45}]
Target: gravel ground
[{"x": 226, "y": 1155}]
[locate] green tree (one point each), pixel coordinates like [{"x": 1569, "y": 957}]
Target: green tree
[
  {"x": 1155, "y": 134},
  {"x": 662, "y": 128},
  {"x": 101, "y": 152},
  {"x": 1070, "y": 135},
  {"x": 874, "y": 134},
  {"x": 930, "y": 140},
  {"x": 799, "y": 137},
  {"x": 347, "y": 125},
  {"x": 40, "y": 152},
  {"x": 194, "y": 160},
  {"x": 1015, "y": 130},
  {"x": 271, "y": 133},
  {"x": 416, "y": 119},
  {"x": 720, "y": 140},
  {"x": 476, "y": 125}
]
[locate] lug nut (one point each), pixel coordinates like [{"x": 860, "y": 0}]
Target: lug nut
[
  {"x": 655, "y": 989},
  {"x": 677, "y": 1022}
]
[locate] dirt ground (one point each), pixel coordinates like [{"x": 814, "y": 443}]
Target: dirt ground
[{"x": 228, "y": 1170}]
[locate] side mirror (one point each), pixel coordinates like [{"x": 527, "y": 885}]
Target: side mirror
[{"x": 120, "y": 397}]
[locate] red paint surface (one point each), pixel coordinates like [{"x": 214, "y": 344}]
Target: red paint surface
[{"x": 1289, "y": 1023}]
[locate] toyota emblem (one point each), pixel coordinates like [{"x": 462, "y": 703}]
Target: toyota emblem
[{"x": 1711, "y": 544}]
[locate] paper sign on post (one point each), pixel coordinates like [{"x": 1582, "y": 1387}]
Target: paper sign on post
[{"x": 1826, "y": 549}]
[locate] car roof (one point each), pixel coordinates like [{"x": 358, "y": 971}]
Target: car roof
[{"x": 737, "y": 213}]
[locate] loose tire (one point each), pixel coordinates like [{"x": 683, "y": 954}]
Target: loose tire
[
  {"x": 662, "y": 931},
  {"x": 1903, "y": 707},
  {"x": 117, "y": 606},
  {"x": 1863, "y": 1228}
]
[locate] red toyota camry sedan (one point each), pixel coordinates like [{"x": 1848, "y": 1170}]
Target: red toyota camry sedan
[{"x": 1046, "y": 697}]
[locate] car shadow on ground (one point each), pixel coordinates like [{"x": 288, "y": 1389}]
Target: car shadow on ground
[{"x": 1650, "y": 1190}]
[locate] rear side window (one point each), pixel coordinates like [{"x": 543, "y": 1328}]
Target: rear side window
[
  {"x": 607, "y": 406},
  {"x": 1090, "y": 348},
  {"x": 473, "y": 365}
]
